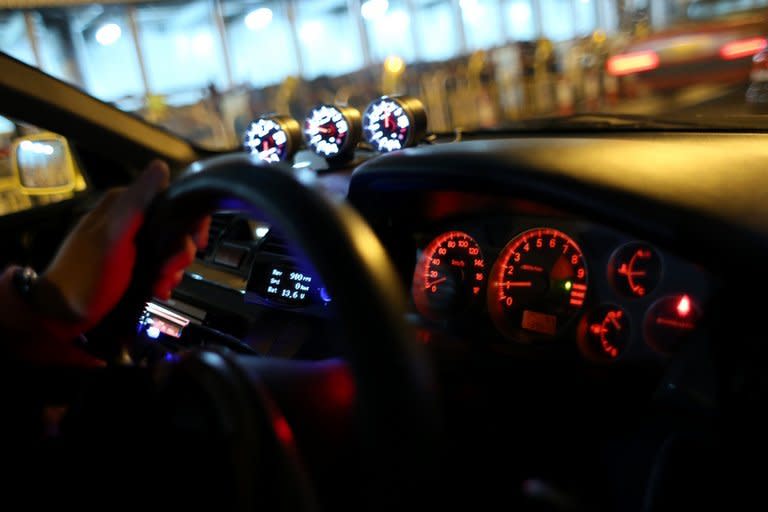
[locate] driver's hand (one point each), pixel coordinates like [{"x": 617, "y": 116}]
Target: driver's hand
[{"x": 93, "y": 267}]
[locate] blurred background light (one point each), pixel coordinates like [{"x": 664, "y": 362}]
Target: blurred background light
[
  {"x": 373, "y": 9},
  {"x": 520, "y": 11},
  {"x": 108, "y": 34},
  {"x": 311, "y": 32},
  {"x": 398, "y": 20},
  {"x": 472, "y": 11},
  {"x": 394, "y": 64},
  {"x": 258, "y": 19},
  {"x": 202, "y": 44}
]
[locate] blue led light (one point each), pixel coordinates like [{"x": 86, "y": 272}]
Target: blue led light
[
  {"x": 325, "y": 295},
  {"x": 153, "y": 332}
]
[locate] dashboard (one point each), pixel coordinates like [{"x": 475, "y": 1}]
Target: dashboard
[
  {"x": 527, "y": 246},
  {"x": 489, "y": 271}
]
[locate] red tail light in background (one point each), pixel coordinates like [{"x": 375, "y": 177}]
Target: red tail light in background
[
  {"x": 628, "y": 63},
  {"x": 743, "y": 48}
]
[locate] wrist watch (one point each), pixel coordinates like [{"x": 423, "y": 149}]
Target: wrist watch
[
  {"x": 42, "y": 295},
  {"x": 22, "y": 279}
]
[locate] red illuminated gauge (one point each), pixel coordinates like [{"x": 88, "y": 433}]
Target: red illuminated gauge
[
  {"x": 394, "y": 122},
  {"x": 272, "y": 138},
  {"x": 604, "y": 333},
  {"x": 332, "y": 132},
  {"x": 635, "y": 269},
  {"x": 449, "y": 275},
  {"x": 537, "y": 285},
  {"x": 669, "y": 321}
]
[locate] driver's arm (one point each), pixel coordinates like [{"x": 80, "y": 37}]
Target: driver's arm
[{"x": 90, "y": 273}]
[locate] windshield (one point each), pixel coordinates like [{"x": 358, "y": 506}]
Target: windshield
[{"x": 205, "y": 68}]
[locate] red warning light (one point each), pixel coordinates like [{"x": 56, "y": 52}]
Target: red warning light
[
  {"x": 670, "y": 321},
  {"x": 684, "y": 306}
]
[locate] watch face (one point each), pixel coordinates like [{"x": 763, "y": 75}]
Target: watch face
[
  {"x": 387, "y": 125},
  {"x": 267, "y": 139},
  {"x": 23, "y": 278},
  {"x": 327, "y": 131}
]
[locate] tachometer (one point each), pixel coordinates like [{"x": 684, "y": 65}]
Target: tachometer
[
  {"x": 332, "y": 131},
  {"x": 537, "y": 285},
  {"x": 449, "y": 276},
  {"x": 272, "y": 138},
  {"x": 394, "y": 122}
]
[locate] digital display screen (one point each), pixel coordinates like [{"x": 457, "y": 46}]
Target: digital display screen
[
  {"x": 158, "y": 320},
  {"x": 539, "y": 322},
  {"x": 287, "y": 285},
  {"x": 284, "y": 283}
]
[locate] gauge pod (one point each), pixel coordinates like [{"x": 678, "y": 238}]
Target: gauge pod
[
  {"x": 332, "y": 131},
  {"x": 394, "y": 122},
  {"x": 272, "y": 138}
]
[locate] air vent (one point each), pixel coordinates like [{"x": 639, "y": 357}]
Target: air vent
[
  {"x": 219, "y": 224},
  {"x": 274, "y": 243}
]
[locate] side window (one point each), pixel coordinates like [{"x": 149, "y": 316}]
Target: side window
[{"x": 37, "y": 167}]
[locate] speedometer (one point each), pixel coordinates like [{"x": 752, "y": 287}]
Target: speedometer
[
  {"x": 537, "y": 285},
  {"x": 449, "y": 276}
]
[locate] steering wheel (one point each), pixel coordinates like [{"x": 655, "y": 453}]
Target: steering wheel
[{"x": 389, "y": 384}]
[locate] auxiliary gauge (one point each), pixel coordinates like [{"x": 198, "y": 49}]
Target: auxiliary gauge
[
  {"x": 272, "y": 138},
  {"x": 332, "y": 131},
  {"x": 635, "y": 269},
  {"x": 394, "y": 122}
]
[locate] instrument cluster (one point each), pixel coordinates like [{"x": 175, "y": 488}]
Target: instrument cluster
[{"x": 541, "y": 281}]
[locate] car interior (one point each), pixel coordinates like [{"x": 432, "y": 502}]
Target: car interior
[{"x": 522, "y": 319}]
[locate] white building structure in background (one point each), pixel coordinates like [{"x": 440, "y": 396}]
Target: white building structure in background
[{"x": 115, "y": 51}]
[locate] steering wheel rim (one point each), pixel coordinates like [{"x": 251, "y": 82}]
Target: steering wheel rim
[{"x": 395, "y": 394}]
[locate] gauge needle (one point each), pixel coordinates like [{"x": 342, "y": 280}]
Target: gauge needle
[
  {"x": 517, "y": 284},
  {"x": 435, "y": 283},
  {"x": 624, "y": 269}
]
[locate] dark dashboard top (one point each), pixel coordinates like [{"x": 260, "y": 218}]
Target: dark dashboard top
[{"x": 682, "y": 188}]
